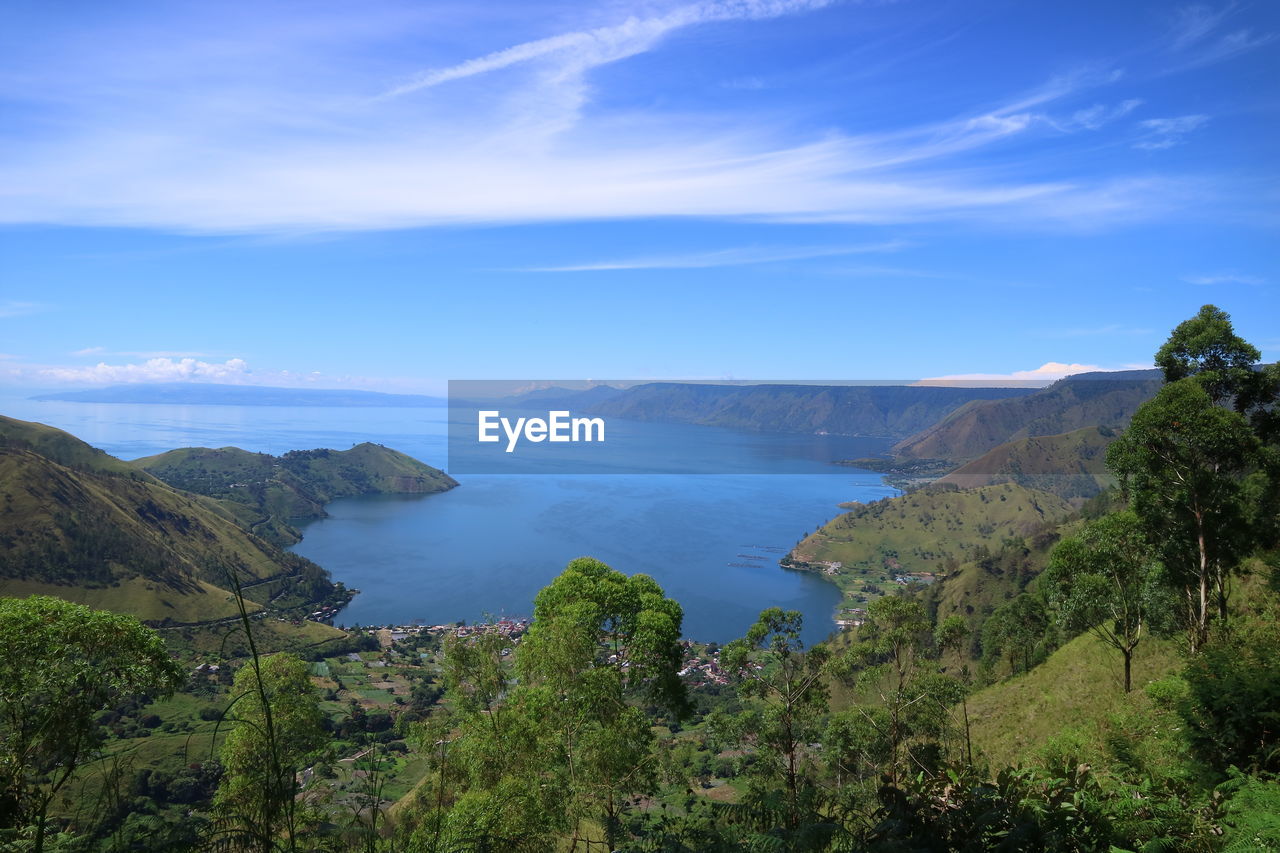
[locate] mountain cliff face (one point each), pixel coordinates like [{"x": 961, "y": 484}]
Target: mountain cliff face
[
  {"x": 866, "y": 410},
  {"x": 1088, "y": 400},
  {"x": 268, "y": 490},
  {"x": 79, "y": 524}
]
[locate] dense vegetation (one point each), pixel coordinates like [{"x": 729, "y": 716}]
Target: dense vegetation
[{"x": 1097, "y": 676}]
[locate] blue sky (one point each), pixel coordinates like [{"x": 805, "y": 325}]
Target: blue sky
[{"x": 388, "y": 195}]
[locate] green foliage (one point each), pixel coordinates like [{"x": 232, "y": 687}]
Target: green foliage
[
  {"x": 275, "y": 724},
  {"x": 771, "y": 664},
  {"x": 892, "y": 662},
  {"x": 1232, "y": 706},
  {"x": 1105, "y": 579},
  {"x": 570, "y": 742},
  {"x": 1207, "y": 348},
  {"x": 1187, "y": 464},
  {"x": 61, "y": 664},
  {"x": 958, "y": 811}
]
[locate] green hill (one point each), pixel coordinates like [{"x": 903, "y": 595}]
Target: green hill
[
  {"x": 63, "y": 448},
  {"x": 1071, "y": 465},
  {"x": 930, "y": 530},
  {"x": 1086, "y": 400},
  {"x": 269, "y": 490},
  {"x": 1073, "y": 699},
  {"x": 90, "y": 528}
]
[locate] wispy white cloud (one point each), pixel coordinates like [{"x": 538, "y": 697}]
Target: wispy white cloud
[
  {"x": 289, "y": 138},
  {"x": 14, "y": 308},
  {"x": 1097, "y": 116},
  {"x": 88, "y": 351},
  {"x": 1225, "y": 278},
  {"x": 1161, "y": 133},
  {"x": 1197, "y": 36},
  {"x": 724, "y": 258},
  {"x": 583, "y": 50}
]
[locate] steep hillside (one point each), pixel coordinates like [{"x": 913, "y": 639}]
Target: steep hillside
[
  {"x": 1072, "y": 698},
  {"x": 63, "y": 448},
  {"x": 270, "y": 490},
  {"x": 127, "y": 541},
  {"x": 928, "y": 530},
  {"x": 1071, "y": 465},
  {"x": 868, "y": 410},
  {"x": 1087, "y": 400}
]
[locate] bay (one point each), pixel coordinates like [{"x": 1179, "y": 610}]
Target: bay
[{"x": 485, "y": 548}]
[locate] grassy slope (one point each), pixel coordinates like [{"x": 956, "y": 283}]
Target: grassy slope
[
  {"x": 1065, "y": 406},
  {"x": 61, "y": 447},
  {"x": 1072, "y": 694},
  {"x": 924, "y": 530},
  {"x": 1070, "y": 465},
  {"x": 93, "y": 529}
]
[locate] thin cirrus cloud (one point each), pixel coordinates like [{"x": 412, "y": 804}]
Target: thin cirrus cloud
[
  {"x": 1225, "y": 278},
  {"x": 724, "y": 258},
  {"x": 279, "y": 142},
  {"x": 1197, "y": 36},
  {"x": 14, "y": 308},
  {"x": 1161, "y": 133}
]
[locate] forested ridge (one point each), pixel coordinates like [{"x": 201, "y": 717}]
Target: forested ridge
[{"x": 1097, "y": 671}]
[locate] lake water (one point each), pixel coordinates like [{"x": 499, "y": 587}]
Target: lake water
[{"x": 487, "y": 547}]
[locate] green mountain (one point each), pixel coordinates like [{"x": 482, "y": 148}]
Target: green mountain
[
  {"x": 268, "y": 490},
  {"x": 1071, "y": 465},
  {"x": 866, "y": 410},
  {"x": 1087, "y": 400},
  {"x": 81, "y": 525}
]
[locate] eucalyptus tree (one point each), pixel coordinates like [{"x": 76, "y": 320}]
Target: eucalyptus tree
[
  {"x": 893, "y": 659},
  {"x": 561, "y": 738},
  {"x": 772, "y": 665},
  {"x": 275, "y": 723},
  {"x": 1203, "y": 487},
  {"x": 1105, "y": 580},
  {"x": 60, "y": 664},
  {"x": 1200, "y": 463}
]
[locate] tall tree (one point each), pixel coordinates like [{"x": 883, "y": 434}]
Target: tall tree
[
  {"x": 891, "y": 659},
  {"x": 564, "y": 737},
  {"x": 772, "y": 665},
  {"x": 275, "y": 723},
  {"x": 1103, "y": 580},
  {"x": 60, "y": 664},
  {"x": 1198, "y": 481}
]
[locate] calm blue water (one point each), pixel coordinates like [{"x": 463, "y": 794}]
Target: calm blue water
[{"x": 487, "y": 547}]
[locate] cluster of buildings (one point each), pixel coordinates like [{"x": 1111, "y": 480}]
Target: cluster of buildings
[
  {"x": 702, "y": 672},
  {"x": 914, "y": 577}
]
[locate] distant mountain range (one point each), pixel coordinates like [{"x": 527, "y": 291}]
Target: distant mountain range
[
  {"x": 1085, "y": 400},
  {"x": 862, "y": 410},
  {"x": 201, "y": 394}
]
